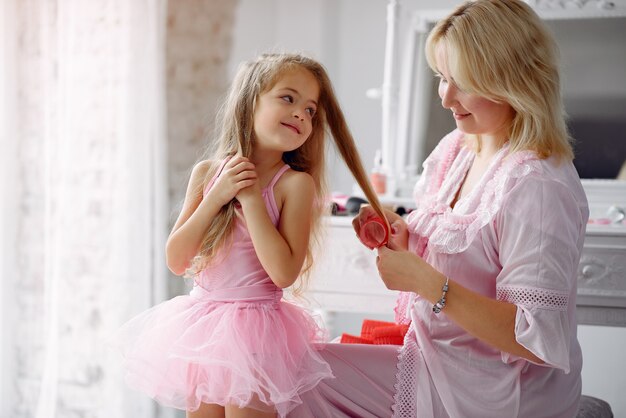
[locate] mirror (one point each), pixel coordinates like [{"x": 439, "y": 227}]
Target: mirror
[{"x": 591, "y": 37}]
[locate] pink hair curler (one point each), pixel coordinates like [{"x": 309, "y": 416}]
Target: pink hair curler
[{"x": 374, "y": 233}]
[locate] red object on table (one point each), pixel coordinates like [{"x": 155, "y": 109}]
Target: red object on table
[{"x": 377, "y": 332}]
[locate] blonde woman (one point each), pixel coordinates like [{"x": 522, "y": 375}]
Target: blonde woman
[
  {"x": 233, "y": 347},
  {"x": 487, "y": 263}
]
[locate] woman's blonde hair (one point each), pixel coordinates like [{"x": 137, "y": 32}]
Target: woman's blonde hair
[
  {"x": 236, "y": 136},
  {"x": 501, "y": 50}
]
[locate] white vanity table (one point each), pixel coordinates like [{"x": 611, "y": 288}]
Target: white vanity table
[
  {"x": 602, "y": 270},
  {"x": 345, "y": 278},
  {"x": 602, "y": 278}
]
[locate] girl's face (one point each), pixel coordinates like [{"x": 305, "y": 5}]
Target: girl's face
[
  {"x": 283, "y": 116},
  {"x": 473, "y": 114}
]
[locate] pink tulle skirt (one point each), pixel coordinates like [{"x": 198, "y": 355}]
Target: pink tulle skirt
[{"x": 260, "y": 355}]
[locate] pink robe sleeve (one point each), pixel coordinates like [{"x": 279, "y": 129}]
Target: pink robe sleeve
[{"x": 541, "y": 230}]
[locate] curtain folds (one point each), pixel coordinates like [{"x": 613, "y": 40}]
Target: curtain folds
[{"x": 87, "y": 149}]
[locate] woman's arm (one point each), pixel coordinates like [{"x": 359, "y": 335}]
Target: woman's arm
[
  {"x": 282, "y": 251},
  {"x": 197, "y": 213},
  {"x": 489, "y": 320}
]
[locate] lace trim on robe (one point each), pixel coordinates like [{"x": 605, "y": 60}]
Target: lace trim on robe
[
  {"x": 405, "y": 388},
  {"x": 434, "y": 225},
  {"x": 450, "y": 232},
  {"x": 401, "y": 310},
  {"x": 531, "y": 297}
]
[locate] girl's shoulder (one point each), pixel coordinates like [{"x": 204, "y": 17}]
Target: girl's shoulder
[
  {"x": 202, "y": 172},
  {"x": 295, "y": 182},
  {"x": 297, "y": 186},
  {"x": 202, "y": 167},
  {"x": 294, "y": 186}
]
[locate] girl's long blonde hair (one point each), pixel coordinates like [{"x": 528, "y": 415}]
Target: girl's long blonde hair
[
  {"x": 236, "y": 136},
  {"x": 501, "y": 50}
]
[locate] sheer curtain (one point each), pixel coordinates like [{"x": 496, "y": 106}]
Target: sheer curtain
[{"x": 83, "y": 198}]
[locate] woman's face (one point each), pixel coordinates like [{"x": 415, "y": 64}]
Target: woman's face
[{"x": 473, "y": 114}]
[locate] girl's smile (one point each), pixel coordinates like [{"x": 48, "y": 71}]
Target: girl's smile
[{"x": 293, "y": 127}]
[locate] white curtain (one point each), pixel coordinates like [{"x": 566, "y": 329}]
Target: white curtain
[{"x": 83, "y": 198}]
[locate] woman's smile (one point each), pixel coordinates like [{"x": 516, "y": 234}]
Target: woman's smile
[{"x": 459, "y": 116}]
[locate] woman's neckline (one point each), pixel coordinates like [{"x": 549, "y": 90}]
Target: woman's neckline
[{"x": 481, "y": 181}]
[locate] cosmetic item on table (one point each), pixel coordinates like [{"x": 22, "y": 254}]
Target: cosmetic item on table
[
  {"x": 378, "y": 177},
  {"x": 353, "y": 205},
  {"x": 344, "y": 204}
]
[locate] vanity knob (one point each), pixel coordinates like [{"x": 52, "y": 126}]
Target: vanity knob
[
  {"x": 587, "y": 271},
  {"x": 606, "y": 5},
  {"x": 616, "y": 214}
]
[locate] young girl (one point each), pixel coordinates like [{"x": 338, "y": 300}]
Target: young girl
[{"x": 232, "y": 347}]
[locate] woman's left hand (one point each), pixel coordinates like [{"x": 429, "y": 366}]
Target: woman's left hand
[{"x": 403, "y": 270}]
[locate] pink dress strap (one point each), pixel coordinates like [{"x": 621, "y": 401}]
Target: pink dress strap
[
  {"x": 277, "y": 176},
  {"x": 268, "y": 191}
]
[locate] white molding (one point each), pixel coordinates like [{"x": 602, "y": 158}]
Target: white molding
[
  {"x": 609, "y": 316},
  {"x": 601, "y": 194},
  {"x": 578, "y": 9},
  {"x": 609, "y": 191}
]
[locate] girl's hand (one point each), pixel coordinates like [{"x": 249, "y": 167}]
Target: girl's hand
[
  {"x": 237, "y": 174},
  {"x": 403, "y": 270},
  {"x": 249, "y": 193}
]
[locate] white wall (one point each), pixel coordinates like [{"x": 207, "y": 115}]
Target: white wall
[
  {"x": 604, "y": 365},
  {"x": 8, "y": 207}
]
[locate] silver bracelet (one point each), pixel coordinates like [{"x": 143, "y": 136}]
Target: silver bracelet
[{"x": 441, "y": 303}]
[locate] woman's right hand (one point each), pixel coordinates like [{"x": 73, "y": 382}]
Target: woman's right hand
[
  {"x": 237, "y": 174},
  {"x": 399, "y": 235}
]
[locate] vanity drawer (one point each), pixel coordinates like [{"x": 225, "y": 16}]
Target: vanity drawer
[
  {"x": 602, "y": 270},
  {"x": 345, "y": 277},
  {"x": 601, "y": 298}
]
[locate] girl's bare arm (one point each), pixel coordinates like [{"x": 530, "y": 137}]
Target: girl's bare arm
[
  {"x": 282, "y": 250},
  {"x": 197, "y": 212}
]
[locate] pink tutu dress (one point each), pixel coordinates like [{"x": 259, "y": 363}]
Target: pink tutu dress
[{"x": 232, "y": 340}]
